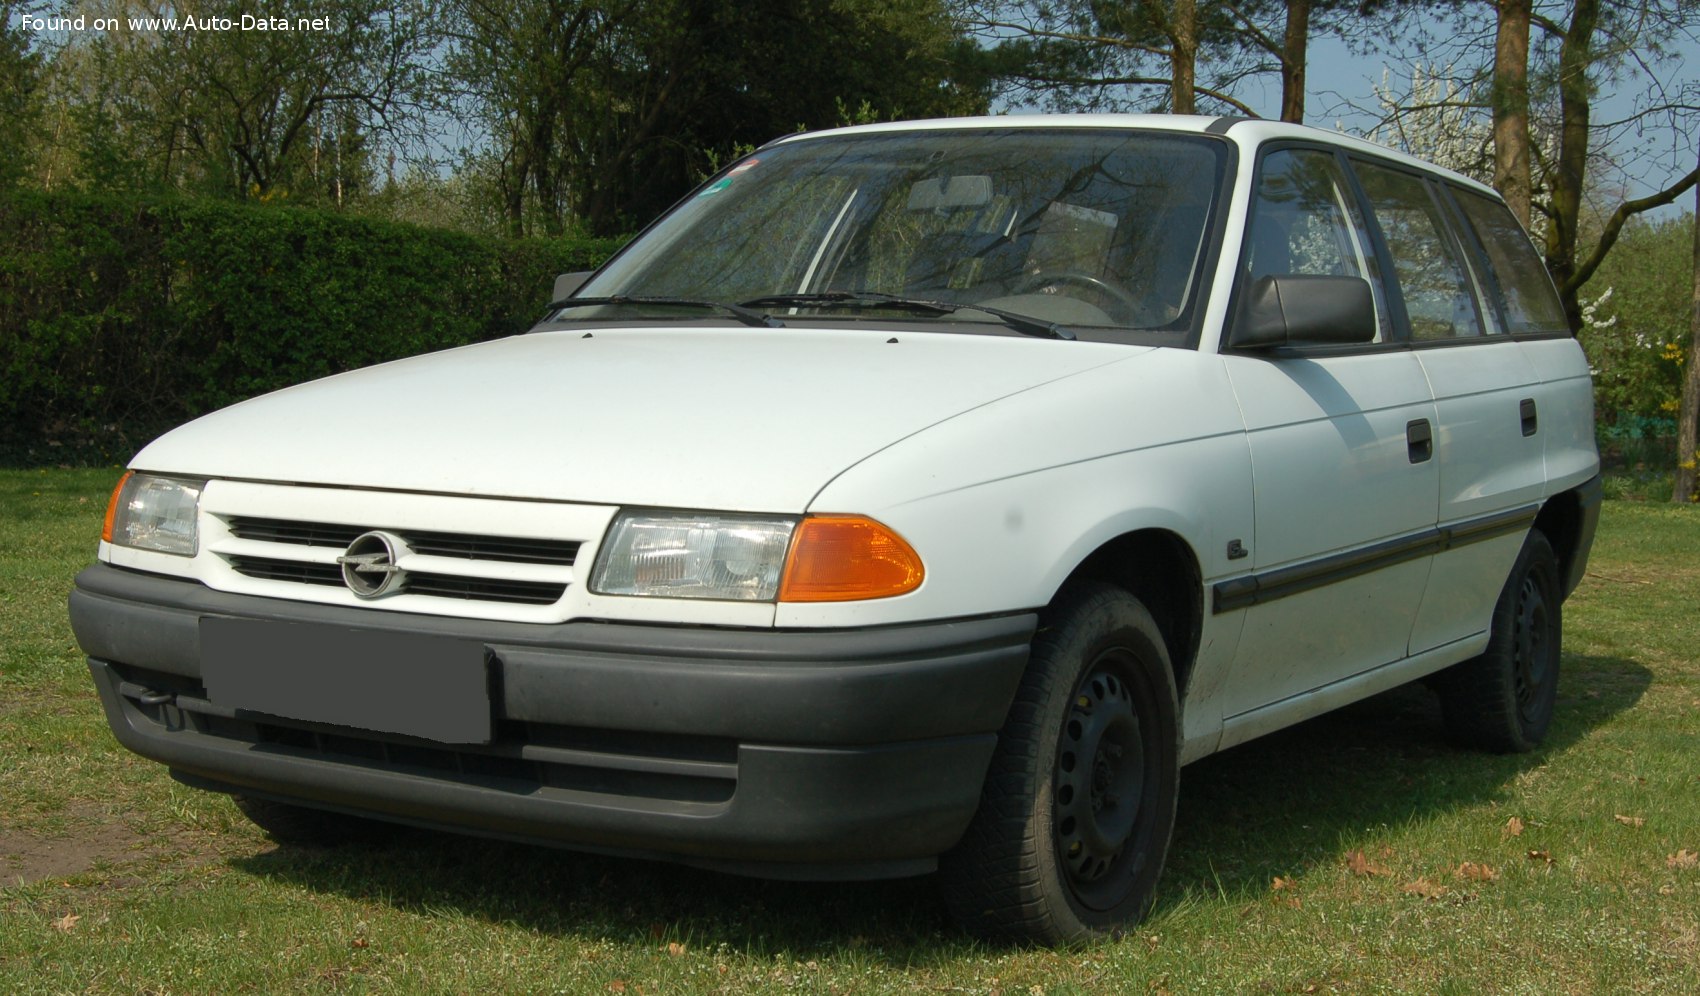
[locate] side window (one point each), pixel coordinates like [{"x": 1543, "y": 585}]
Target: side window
[
  {"x": 1439, "y": 300},
  {"x": 1531, "y": 305},
  {"x": 1306, "y": 222}
]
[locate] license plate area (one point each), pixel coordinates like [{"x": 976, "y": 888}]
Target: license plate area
[{"x": 432, "y": 687}]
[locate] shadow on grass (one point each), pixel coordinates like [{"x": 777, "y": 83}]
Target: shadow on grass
[
  {"x": 1277, "y": 805},
  {"x": 1270, "y": 807}
]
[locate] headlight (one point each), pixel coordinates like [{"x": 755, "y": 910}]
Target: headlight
[
  {"x": 693, "y": 555},
  {"x": 154, "y": 513},
  {"x": 748, "y": 558}
]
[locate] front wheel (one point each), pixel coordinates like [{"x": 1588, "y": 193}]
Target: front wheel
[{"x": 1079, "y": 804}]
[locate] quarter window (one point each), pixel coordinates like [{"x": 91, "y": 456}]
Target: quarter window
[{"x": 1530, "y": 302}]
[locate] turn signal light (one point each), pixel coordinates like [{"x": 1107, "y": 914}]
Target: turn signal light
[
  {"x": 112, "y": 505},
  {"x": 843, "y": 558}
]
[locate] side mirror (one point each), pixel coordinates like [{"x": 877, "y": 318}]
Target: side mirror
[
  {"x": 1294, "y": 309},
  {"x": 567, "y": 284}
]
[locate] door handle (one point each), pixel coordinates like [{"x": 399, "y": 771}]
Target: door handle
[
  {"x": 1531, "y": 419},
  {"x": 1419, "y": 440}
]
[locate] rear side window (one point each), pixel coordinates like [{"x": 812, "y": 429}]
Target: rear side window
[
  {"x": 1439, "y": 299},
  {"x": 1531, "y": 304}
]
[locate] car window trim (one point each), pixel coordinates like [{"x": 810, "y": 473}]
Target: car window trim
[{"x": 1398, "y": 330}]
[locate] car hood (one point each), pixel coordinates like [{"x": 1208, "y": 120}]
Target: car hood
[{"x": 734, "y": 419}]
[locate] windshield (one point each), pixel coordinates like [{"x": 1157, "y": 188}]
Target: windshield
[{"x": 1084, "y": 227}]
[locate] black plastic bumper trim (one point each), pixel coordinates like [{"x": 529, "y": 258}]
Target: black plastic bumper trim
[
  {"x": 1590, "y": 495},
  {"x": 847, "y": 753},
  {"x": 832, "y": 687}
]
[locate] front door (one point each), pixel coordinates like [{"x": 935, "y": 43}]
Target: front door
[{"x": 1342, "y": 445}]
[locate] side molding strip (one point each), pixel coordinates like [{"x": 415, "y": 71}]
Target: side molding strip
[{"x": 1256, "y": 589}]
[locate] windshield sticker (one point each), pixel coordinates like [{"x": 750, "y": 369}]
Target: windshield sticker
[
  {"x": 747, "y": 164},
  {"x": 716, "y": 187}
]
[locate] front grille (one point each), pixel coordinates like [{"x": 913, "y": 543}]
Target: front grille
[
  {"x": 287, "y": 570},
  {"x": 469, "y": 546},
  {"x": 484, "y": 589},
  {"x": 513, "y": 570},
  {"x": 437, "y": 585},
  {"x": 297, "y": 533}
]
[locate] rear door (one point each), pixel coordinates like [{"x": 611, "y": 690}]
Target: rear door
[{"x": 1450, "y": 254}]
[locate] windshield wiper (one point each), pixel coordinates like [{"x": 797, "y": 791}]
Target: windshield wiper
[
  {"x": 1025, "y": 324},
  {"x": 752, "y": 318}
]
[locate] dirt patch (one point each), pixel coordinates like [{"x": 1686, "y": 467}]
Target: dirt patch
[{"x": 26, "y": 857}]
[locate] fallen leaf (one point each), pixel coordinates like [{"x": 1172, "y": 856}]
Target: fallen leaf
[
  {"x": 1282, "y": 883},
  {"x": 1477, "y": 873},
  {"x": 361, "y": 942},
  {"x": 1426, "y": 889},
  {"x": 617, "y": 986},
  {"x": 1357, "y": 864},
  {"x": 1683, "y": 859},
  {"x": 1631, "y": 821},
  {"x": 1541, "y": 856},
  {"x": 1514, "y": 827},
  {"x": 675, "y": 949},
  {"x": 66, "y": 922}
]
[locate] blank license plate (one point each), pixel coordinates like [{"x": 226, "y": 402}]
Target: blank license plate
[{"x": 432, "y": 687}]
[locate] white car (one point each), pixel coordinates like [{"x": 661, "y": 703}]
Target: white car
[{"x": 910, "y": 497}]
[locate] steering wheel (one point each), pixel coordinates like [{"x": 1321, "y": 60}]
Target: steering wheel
[{"x": 1049, "y": 278}]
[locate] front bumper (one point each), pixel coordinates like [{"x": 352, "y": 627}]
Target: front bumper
[{"x": 844, "y": 753}]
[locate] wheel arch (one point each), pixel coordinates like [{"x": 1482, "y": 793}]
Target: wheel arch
[
  {"x": 1158, "y": 567},
  {"x": 1567, "y": 519}
]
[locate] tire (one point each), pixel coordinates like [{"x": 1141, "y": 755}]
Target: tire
[
  {"x": 1079, "y": 802},
  {"x": 291, "y": 824},
  {"x": 1503, "y": 700}
]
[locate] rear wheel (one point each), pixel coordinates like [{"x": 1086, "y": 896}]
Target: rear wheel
[
  {"x": 1503, "y": 700},
  {"x": 1079, "y": 804}
]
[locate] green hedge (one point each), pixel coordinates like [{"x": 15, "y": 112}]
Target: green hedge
[{"x": 120, "y": 319}]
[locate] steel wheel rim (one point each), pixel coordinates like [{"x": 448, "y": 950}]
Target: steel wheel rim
[
  {"x": 1531, "y": 647},
  {"x": 1099, "y": 785}
]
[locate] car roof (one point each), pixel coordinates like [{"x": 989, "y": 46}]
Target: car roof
[{"x": 1248, "y": 133}]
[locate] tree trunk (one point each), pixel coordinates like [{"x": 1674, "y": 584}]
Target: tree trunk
[
  {"x": 1575, "y": 97},
  {"x": 1688, "y": 411},
  {"x": 1511, "y": 107},
  {"x": 1183, "y": 57},
  {"x": 1293, "y": 61}
]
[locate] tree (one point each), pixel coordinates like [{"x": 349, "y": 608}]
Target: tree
[
  {"x": 1511, "y": 107},
  {"x": 606, "y": 111},
  {"x": 1090, "y": 53},
  {"x": 178, "y": 102},
  {"x": 20, "y": 71},
  {"x": 1636, "y": 329},
  {"x": 1630, "y": 28},
  {"x": 1542, "y": 111},
  {"x": 1688, "y": 411}
]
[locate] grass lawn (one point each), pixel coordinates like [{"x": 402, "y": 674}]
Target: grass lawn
[{"x": 1356, "y": 853}]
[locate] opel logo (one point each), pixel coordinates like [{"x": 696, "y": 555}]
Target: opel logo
[{"x": 369, "y": 564}]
